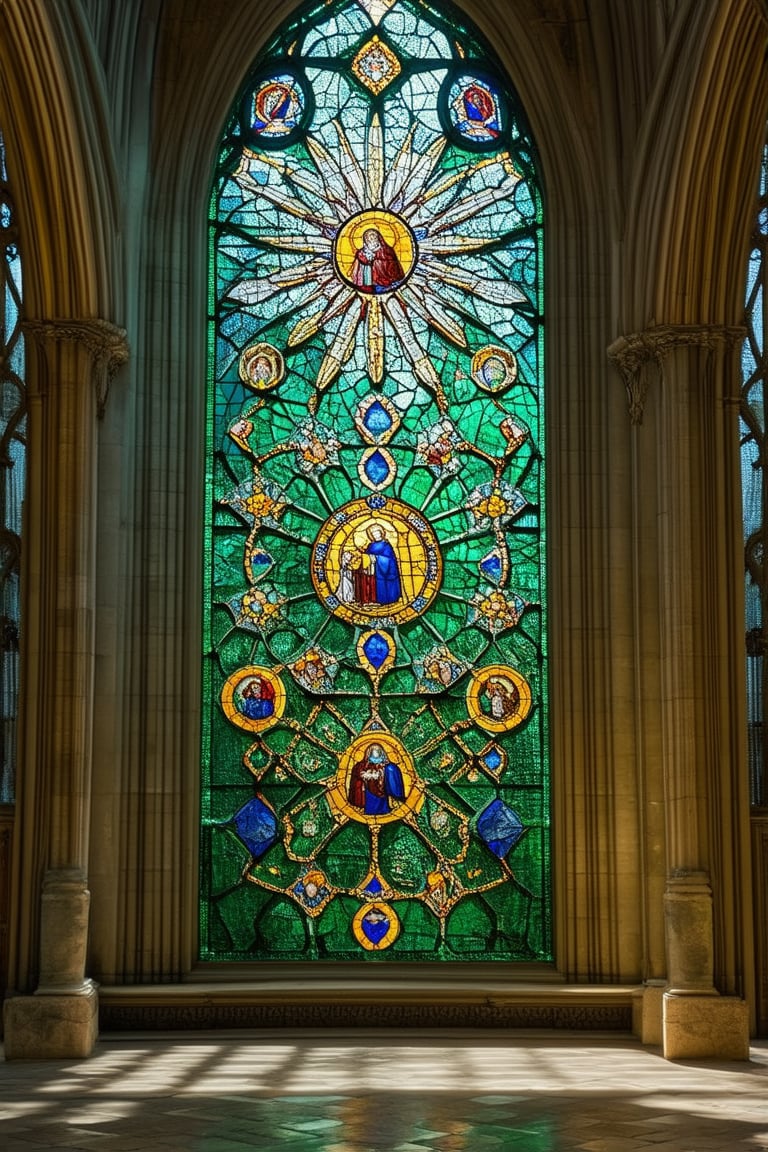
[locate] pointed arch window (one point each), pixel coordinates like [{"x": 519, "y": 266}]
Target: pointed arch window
[
  {"x": 754, "y": 478},
  {"x": 375, "y": 761},
  {"x": 13, "y": 407}
]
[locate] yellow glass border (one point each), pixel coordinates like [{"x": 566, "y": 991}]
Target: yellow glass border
[
  {"x": 386, "y": 940},
  {"x": 338, "y": 792},
  {"x": 393, "y": 230},
  {"x": 490, "y": 352},
  {"x": 476, "y": 686},
  {"x": 233, "y": 713},
  {"x": 342, "y": 521},
  {"x": 274, "y": 359}
]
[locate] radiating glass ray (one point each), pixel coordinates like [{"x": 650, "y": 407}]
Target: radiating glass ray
[
  {"x": 375, "y": 161},
  {"x": 341, "y": 185}
]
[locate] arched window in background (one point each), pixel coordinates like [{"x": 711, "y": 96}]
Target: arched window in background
[
  {"x": 375, "y": 760},
  {"x": 13, "y": 407},
  {"x": 754, "y": 479}
]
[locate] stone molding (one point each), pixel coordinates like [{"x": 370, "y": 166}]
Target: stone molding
[
  {"x": 632, "y": 354},
  {"x": 106, "y": 343},
  {"x": 171, "y": 1017},
  {"x": 367, "y": 1003}
]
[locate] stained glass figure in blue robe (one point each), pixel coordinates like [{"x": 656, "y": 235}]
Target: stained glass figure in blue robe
[
  {"x": 257, "y": 699},
  {"x": 376, "y": 783},
  {"x": 386, "y": 571}
]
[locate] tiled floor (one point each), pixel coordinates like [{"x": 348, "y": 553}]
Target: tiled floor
[{"x": 384, "y": 1093}]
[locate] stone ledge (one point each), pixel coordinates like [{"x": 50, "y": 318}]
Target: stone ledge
[{"x": 385, "y": 1004}]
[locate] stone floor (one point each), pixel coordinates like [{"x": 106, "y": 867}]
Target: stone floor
[{"x": 330, "y": 1092}]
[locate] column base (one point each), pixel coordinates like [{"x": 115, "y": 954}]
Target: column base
[
  {"x": 51, "y": 1026},
  {"x": 647, "y": 1012},
  {"x": 705, "y": 1028}
]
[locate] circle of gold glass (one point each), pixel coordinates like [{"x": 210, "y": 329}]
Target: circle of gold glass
[
  {"x": 362, "y": 772},
  {"x": 253, "y": 698},
  {"x": 498, "y": 698},
  {"x": 261, "y": 367},
  {"x": 371, "y": 915},
  {"x": 494, "y": 368},
  {"x": 375, "y": 251},
  {"x": 376, "y": 564}
]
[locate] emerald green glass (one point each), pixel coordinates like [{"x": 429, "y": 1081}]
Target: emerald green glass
[{"x": 375, "y": 761}]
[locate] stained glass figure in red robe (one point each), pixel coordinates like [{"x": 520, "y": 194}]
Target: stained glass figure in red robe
[{"x": 376, "y": 267}]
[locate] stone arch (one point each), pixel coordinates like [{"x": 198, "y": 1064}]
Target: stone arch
[
  {"x": 690, "y": 203},
  {"x": 690, "y": 209},
  {"x": 59, "y": 141},
  {"x": 60, "y": 153}
]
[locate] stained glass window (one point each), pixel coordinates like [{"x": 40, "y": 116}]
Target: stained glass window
[
  {"x": 375, "y": 763},
  {"x": 753, "y": 483},
  {"x": 13, "y": 408}
]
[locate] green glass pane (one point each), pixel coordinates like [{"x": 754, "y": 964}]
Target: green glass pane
[{"x": 375, "y": 765}]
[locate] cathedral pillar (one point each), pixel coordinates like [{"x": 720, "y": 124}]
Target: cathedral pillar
[
  {"x": 677, "y": 378},
  {"x": 69, "y": 366}
]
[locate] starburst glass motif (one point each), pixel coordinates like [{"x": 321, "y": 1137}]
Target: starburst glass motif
[{"x": 375, "y": 749}]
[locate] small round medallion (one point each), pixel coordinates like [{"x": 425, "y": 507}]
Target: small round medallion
[
  {"x": 253, "y": 698},
  {"x": 274, "y": 110},
  {"x": 261, "y": 367},
  {"x": 474, "y": 111},
  {"x": 375, "y": 927},
  {"x": 498, "y": 698},
  {"x": 494, "y": 368}
]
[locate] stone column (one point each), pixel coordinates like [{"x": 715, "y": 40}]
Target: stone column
[
  {"x": 69, "y": 366},
  {"x": 683, "y": 369}
]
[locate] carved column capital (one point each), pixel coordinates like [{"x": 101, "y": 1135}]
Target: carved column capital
[
  {"x": 633, "y": 355},
  {"x": 106, "y": 343}
]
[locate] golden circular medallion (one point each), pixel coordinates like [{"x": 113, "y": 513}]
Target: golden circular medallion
[
  {"x": 253, "y": 698},
  {"x": 375, "y": 251},
  {"x": 261, "y": 367},
  {"x": 376, "y": 782},
  {"x": 494, "y": 368},
  {"x": 498, "y": 698},
  {"x": 376, "y": 560},
  {"x": 375, "y": 926}
]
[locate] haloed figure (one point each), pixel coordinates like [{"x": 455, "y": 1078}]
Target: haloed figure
[
  {"x": 376, "y": 783},
  {"x": 503, "y": 698},
  {"x": 260, "y": 370},
  {"x": 480, "y": 111},
  {"x": 258, "y": 699},
  {"x": 386, "y": 573},
  {"x": 376, "y": 267}
]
